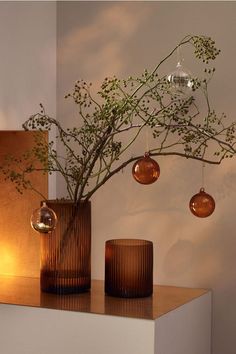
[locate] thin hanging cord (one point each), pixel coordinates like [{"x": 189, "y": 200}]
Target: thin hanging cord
[
  {"x": 178, "y": 56},
  {"x": 203, "y": 174},
  {"x": 147, "y": 139}
]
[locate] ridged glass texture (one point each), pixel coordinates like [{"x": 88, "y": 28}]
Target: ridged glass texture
[
  {"x": 129, "y": 268},
  {"x": 66, "y": 252},
  {"x": 140, "y": 307},
  {"x": 74, "y": 302}
]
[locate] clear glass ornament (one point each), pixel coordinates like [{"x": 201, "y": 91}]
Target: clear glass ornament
[
  {"x": 146, "y": 170},
  {"x": 202, "y": 204},
  {"x": 180, "y": 81},
  {"x": 44, "y": 219}
]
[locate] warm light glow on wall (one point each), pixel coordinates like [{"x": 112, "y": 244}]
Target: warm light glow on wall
[
  {"x": 8, "y": 260},
  {"x": 19, "y": 244}
]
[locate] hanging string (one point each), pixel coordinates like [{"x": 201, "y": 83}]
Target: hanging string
[
  {"x": 147, "y": 138},
  {"x": 203, "y": 175},
  {"x": 178, "y": 56}
]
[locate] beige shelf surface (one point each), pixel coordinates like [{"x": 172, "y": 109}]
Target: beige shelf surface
[{"x": 26, "y": 292}]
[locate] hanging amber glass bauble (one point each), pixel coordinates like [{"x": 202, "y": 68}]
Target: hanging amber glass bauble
[
  {"x": 44, "y": 219},
  {"x": 202, "y": 204},
  {"x": 146, "y": 170}
]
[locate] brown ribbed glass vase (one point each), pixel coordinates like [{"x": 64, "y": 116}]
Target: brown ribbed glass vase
[
  {"x": 129, "y": 268},
  {"x": 66, "y": 252}
]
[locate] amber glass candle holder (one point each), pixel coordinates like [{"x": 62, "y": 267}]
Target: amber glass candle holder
[{"x": 129, "y": 268}]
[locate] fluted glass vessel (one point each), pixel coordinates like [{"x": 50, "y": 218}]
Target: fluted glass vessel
[
  {"x": 66, "y": 252},
  {"x": 129, "y": 268}
]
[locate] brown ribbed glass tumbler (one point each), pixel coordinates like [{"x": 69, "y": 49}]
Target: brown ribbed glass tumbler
[
  {"x": 66, "y": 252},
  {"x": 129, "y": 268}
]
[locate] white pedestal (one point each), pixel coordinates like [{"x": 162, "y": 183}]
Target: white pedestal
[{"x": 185, "y": 329}]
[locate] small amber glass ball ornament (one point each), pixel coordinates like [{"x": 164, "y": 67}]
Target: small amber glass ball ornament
[
  {"x": 202, "y": 204},
  {"x": 44, "y": 219},
  {"x": 146, "y": 170}
]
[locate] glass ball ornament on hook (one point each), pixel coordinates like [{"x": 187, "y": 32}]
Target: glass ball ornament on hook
[
  {"x": 44, "y": 219},
  {"x": 180, "y": 81},
  {"x": 146, "y": 170},
  {"x": 202, "y": 204}
]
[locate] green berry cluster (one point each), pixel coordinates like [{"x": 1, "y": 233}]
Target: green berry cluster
[{"x": 205, "y": 48}]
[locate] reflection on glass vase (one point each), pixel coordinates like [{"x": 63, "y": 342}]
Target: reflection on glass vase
[{"x": 65, "y": 265}]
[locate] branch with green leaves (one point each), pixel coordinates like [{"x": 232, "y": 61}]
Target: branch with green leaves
[{"x": 111, "y": 121}]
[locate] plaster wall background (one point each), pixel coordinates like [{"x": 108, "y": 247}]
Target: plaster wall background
[
  {"x": 98, "y": 39},
  {"x": 28, "y": 60}
]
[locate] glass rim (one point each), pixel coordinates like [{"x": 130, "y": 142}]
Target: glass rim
[
  {"x": 64, "y": 201},
  {"x": 125, "y": 242}
]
